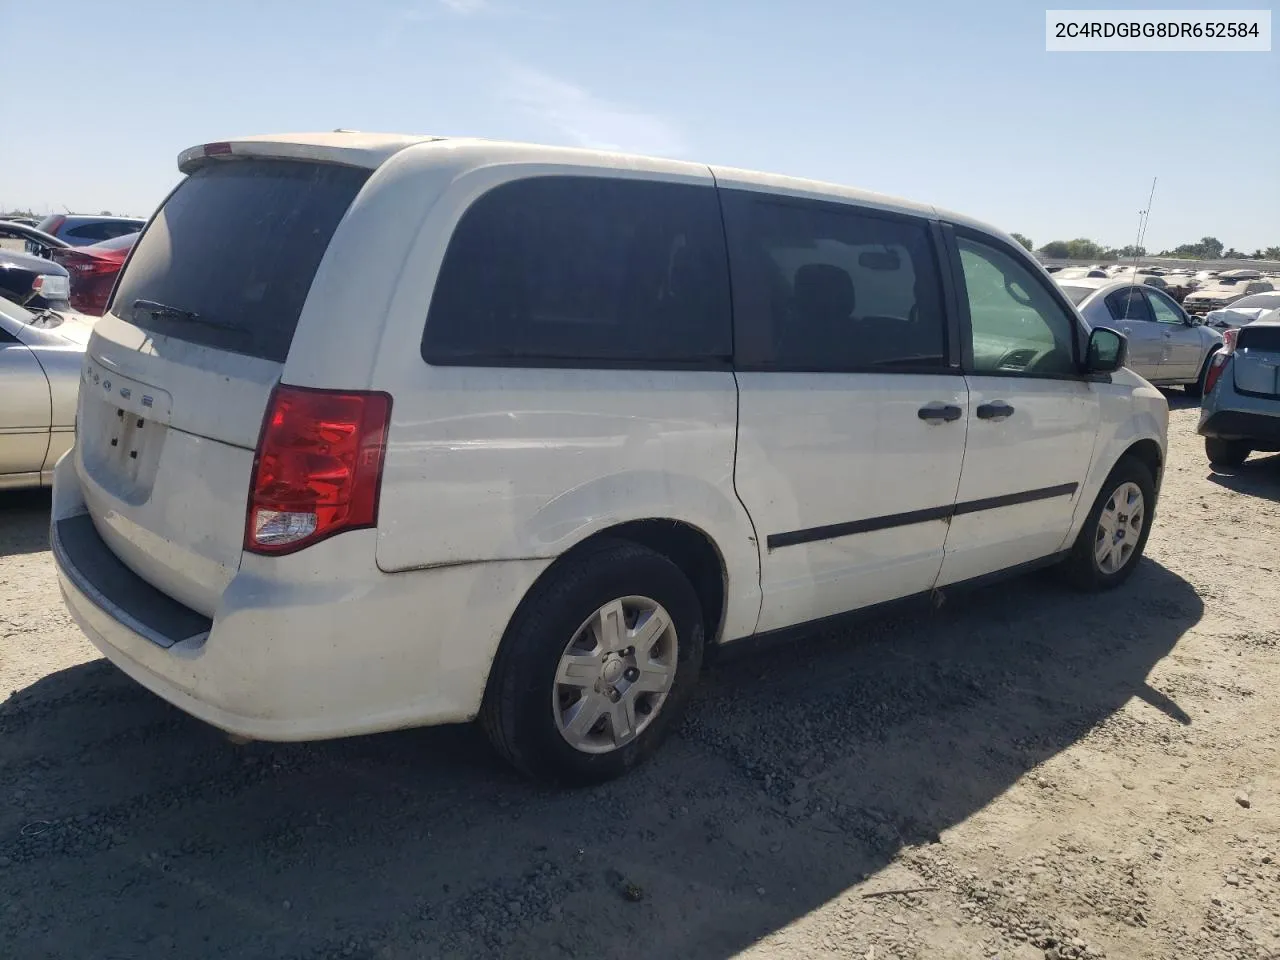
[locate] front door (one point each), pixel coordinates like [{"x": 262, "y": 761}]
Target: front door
[
  {"x": 1183, "y": 345},
  {"x": 1131, "y": 315},
  {"x": 851, "y": 422},
  {"x": 24, "y": 412},
  {"x": 1032, "y": 419}
]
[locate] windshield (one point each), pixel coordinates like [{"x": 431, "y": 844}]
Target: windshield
[
  {"x": 1077, "y": 294},
  {"x": 1266, "y": 301}
]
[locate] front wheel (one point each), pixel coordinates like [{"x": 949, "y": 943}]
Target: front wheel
[
  {"x": 597, "y": 665},
  {"x": 1115, "y": 533},
  {"x": 1226, "y": 453}
]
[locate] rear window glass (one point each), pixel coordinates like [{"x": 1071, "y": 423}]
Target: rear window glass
[
  {"x": 584, "y": 271},
  {"x": 1077, "y": 294},
  {"x": 1253, "y": 337},
  {"x": 122, "y": 242},
  {"x": 228, "y": 260}
]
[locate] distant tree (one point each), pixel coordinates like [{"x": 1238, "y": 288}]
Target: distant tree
[
  {"x": 1209, "y": 248},
  {"x": 1056, "y": 250},
  {"x": 1025, "y": 241},
  {"x": 1233, "y": 254},
  {"x": 1272, "y": 253},
  {"x": 1130, "y": 251},
  {"x": 1084, "y": 249},
  {"x": 104, "y": 213}
]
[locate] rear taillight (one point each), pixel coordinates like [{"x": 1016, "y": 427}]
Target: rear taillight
[
  {"x": 84, "y": 265},
  {"x": 318, "y": 467},
  {"x": 1219, "y": 361}
]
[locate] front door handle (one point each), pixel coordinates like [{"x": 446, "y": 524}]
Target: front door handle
[
  {"x": 939, "y": 413},
  {"x": 995, "y": 410}
]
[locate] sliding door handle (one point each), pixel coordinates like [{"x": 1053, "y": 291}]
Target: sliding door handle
[
  {"x": 995, "y": 410},
  {"x": 939, "y": 413}
]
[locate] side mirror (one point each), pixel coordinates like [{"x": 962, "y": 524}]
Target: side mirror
[{"x": 1108, "y": 351}]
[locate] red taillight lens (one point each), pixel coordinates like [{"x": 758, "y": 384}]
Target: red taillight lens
[
  {"x": 84, "y": 265},
  {"x": 318, "y": 467},
  {"x": 1219, "y": 361},
  {"x": 1216, "y": 366}
]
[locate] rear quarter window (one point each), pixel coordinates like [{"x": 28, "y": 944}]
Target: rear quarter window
[
  {"x": 584, "y": 271},
  {"x": 233, "y": 252}
]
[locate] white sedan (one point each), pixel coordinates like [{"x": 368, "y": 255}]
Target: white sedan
[
  {"x": 1243, "y": 311},
  {"x": 40, "y": 359}
]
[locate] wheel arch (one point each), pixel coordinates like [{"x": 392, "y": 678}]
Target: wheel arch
[
  {"x": 1148, "y": 453},
  {"x": 689, "y": 547}
]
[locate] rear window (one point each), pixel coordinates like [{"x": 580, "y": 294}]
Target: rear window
[
  {"x": 584, "y": 271},
  {"x": 122, "y": 242},
  {"x": 228, "y": 260},
  {"x": 1253, "y": 337},
  {"x": 1077, "y": 294}
]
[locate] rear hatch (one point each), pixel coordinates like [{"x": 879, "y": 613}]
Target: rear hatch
[
  {"x": 1257, "y": 360},
  {"x": 179, "y": 371}
]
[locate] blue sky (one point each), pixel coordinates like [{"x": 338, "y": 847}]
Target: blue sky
[{"x": 948, "y": 103}]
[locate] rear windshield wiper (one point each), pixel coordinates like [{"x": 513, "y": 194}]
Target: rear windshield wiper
[{"x": 162, "y": 311}]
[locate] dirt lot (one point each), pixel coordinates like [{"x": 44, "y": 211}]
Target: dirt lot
[{"x": 1053, "y": 775}]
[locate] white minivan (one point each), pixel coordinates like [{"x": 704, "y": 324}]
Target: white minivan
[{"x": 385, "y": 431}]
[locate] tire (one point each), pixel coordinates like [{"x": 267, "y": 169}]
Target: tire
[
  {"x": 1083, "y": 567},
  {"x": 529, "y": 701},
  {"x": 1196, "y": 390},
  {"x": 1226, "y": 453}
]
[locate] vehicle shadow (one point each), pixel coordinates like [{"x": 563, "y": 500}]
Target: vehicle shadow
[
  {"x": 24, "y": 521},
  {"x": 134, "y": 831},
  {"x": 1259, "y": 476},
  {"x": 1178, "y": 398}
]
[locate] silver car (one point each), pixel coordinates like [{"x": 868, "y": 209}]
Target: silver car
[
  {"x": 1167, "y": 346},
  {"x": 40, "y": 359},
  {"x": 1241, "y": 409}
]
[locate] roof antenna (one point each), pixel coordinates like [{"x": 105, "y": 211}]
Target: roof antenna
[{"x": 1143, "y": 217}]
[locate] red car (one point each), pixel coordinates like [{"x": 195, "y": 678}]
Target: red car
[{"x": 93, "y": 271}]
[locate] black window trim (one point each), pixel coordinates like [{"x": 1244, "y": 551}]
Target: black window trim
[
  {"x": 1019, "y": 254},
  {"x": 952, "y": 343}
]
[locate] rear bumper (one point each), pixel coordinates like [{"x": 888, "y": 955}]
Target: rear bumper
[
  {"x": 1242, "y": 425},
  {"x": 312, "y": 646}
]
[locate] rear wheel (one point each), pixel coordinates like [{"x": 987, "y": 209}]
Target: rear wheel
[
  {"x": 1226, "y": 453},
  {"x": 1115, "y": 533},
  {"x": 596, "y": 666}
]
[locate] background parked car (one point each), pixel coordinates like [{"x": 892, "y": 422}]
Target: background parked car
[
  {"x": 40, "y": 357},
  {"x": 1222, "y": 293},
  {"x": 80, "y": 230},
  {"x": 93, "y": 271},
  {"x": 1166, "y": 345},
  {"x": 32, "y": 279},
  {"x": 1241, "y": 410},
  {"x": 1245, "y": 310}
]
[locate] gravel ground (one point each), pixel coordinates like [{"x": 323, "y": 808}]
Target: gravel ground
[{"x": 1046, "y": 775}]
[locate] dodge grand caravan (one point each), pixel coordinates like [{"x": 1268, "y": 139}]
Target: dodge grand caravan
[{"x": 383, "y": 431}]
